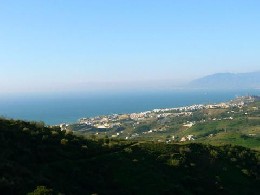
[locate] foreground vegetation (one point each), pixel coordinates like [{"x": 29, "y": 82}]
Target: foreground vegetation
[{"x": 37, "y": 159}]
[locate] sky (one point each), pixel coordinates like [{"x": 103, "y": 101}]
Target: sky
[{"x": 64, "y": 45}]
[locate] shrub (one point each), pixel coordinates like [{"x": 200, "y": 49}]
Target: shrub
[{"x": 41, "y": 190}]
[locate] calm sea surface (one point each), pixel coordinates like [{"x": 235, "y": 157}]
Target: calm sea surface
[{"x": 56, "y": 109}]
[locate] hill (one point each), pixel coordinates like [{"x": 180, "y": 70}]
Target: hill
[
  {"x": 39, "y": 159},
  {"x": 227, "y": 81}
]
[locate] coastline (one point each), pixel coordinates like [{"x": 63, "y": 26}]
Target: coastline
[{"x": 68, "y": 109}]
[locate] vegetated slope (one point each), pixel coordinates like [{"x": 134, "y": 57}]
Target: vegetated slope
[
  {"x": 243, "y": 132},
  {"x": 236, "y": 126},
  {"x": 32, "y": 155},
  {"x": 228, "y": 81}
]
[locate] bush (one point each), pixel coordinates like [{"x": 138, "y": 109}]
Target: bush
[
  {"x": 41, "y": 190},
  {"x": 64, "y": 141}
]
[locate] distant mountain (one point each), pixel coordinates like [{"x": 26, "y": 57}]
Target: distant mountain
[{"x": 227, "y": 81}]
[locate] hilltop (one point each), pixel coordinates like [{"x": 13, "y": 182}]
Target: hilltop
[{"x": 227, "y": 81}]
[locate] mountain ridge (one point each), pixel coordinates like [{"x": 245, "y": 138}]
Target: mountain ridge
[{"x": 227, "y": 81}]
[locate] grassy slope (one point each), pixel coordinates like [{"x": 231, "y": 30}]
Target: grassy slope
[{"x": 228, "y": 132}]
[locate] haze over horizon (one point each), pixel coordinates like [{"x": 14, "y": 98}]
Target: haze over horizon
[{"x": 48, "y": 46}]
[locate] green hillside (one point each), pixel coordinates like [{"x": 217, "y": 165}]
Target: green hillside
[{"x": 35, "y": 158}]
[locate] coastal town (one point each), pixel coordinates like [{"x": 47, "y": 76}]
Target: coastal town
[{"x": 162, "y": 125}]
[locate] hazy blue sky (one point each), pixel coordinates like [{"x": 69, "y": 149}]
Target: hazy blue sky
[{"x": 49, "y": 45}]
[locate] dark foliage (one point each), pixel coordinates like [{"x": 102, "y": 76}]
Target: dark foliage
[{"x": 41, "y": 160}]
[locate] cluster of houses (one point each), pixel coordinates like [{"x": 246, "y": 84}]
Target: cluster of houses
[
  {"x": 181, "y": 109},
  {"x": 187, "y": 138},
  {"x": 110, "y": 121},
  {"x": 117, "y": 120}
]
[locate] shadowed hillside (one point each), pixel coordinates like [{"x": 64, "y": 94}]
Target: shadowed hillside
[{"x": 58, "y": 162}]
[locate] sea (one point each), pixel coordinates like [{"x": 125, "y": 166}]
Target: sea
[{"x": 70, "y": 107}]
